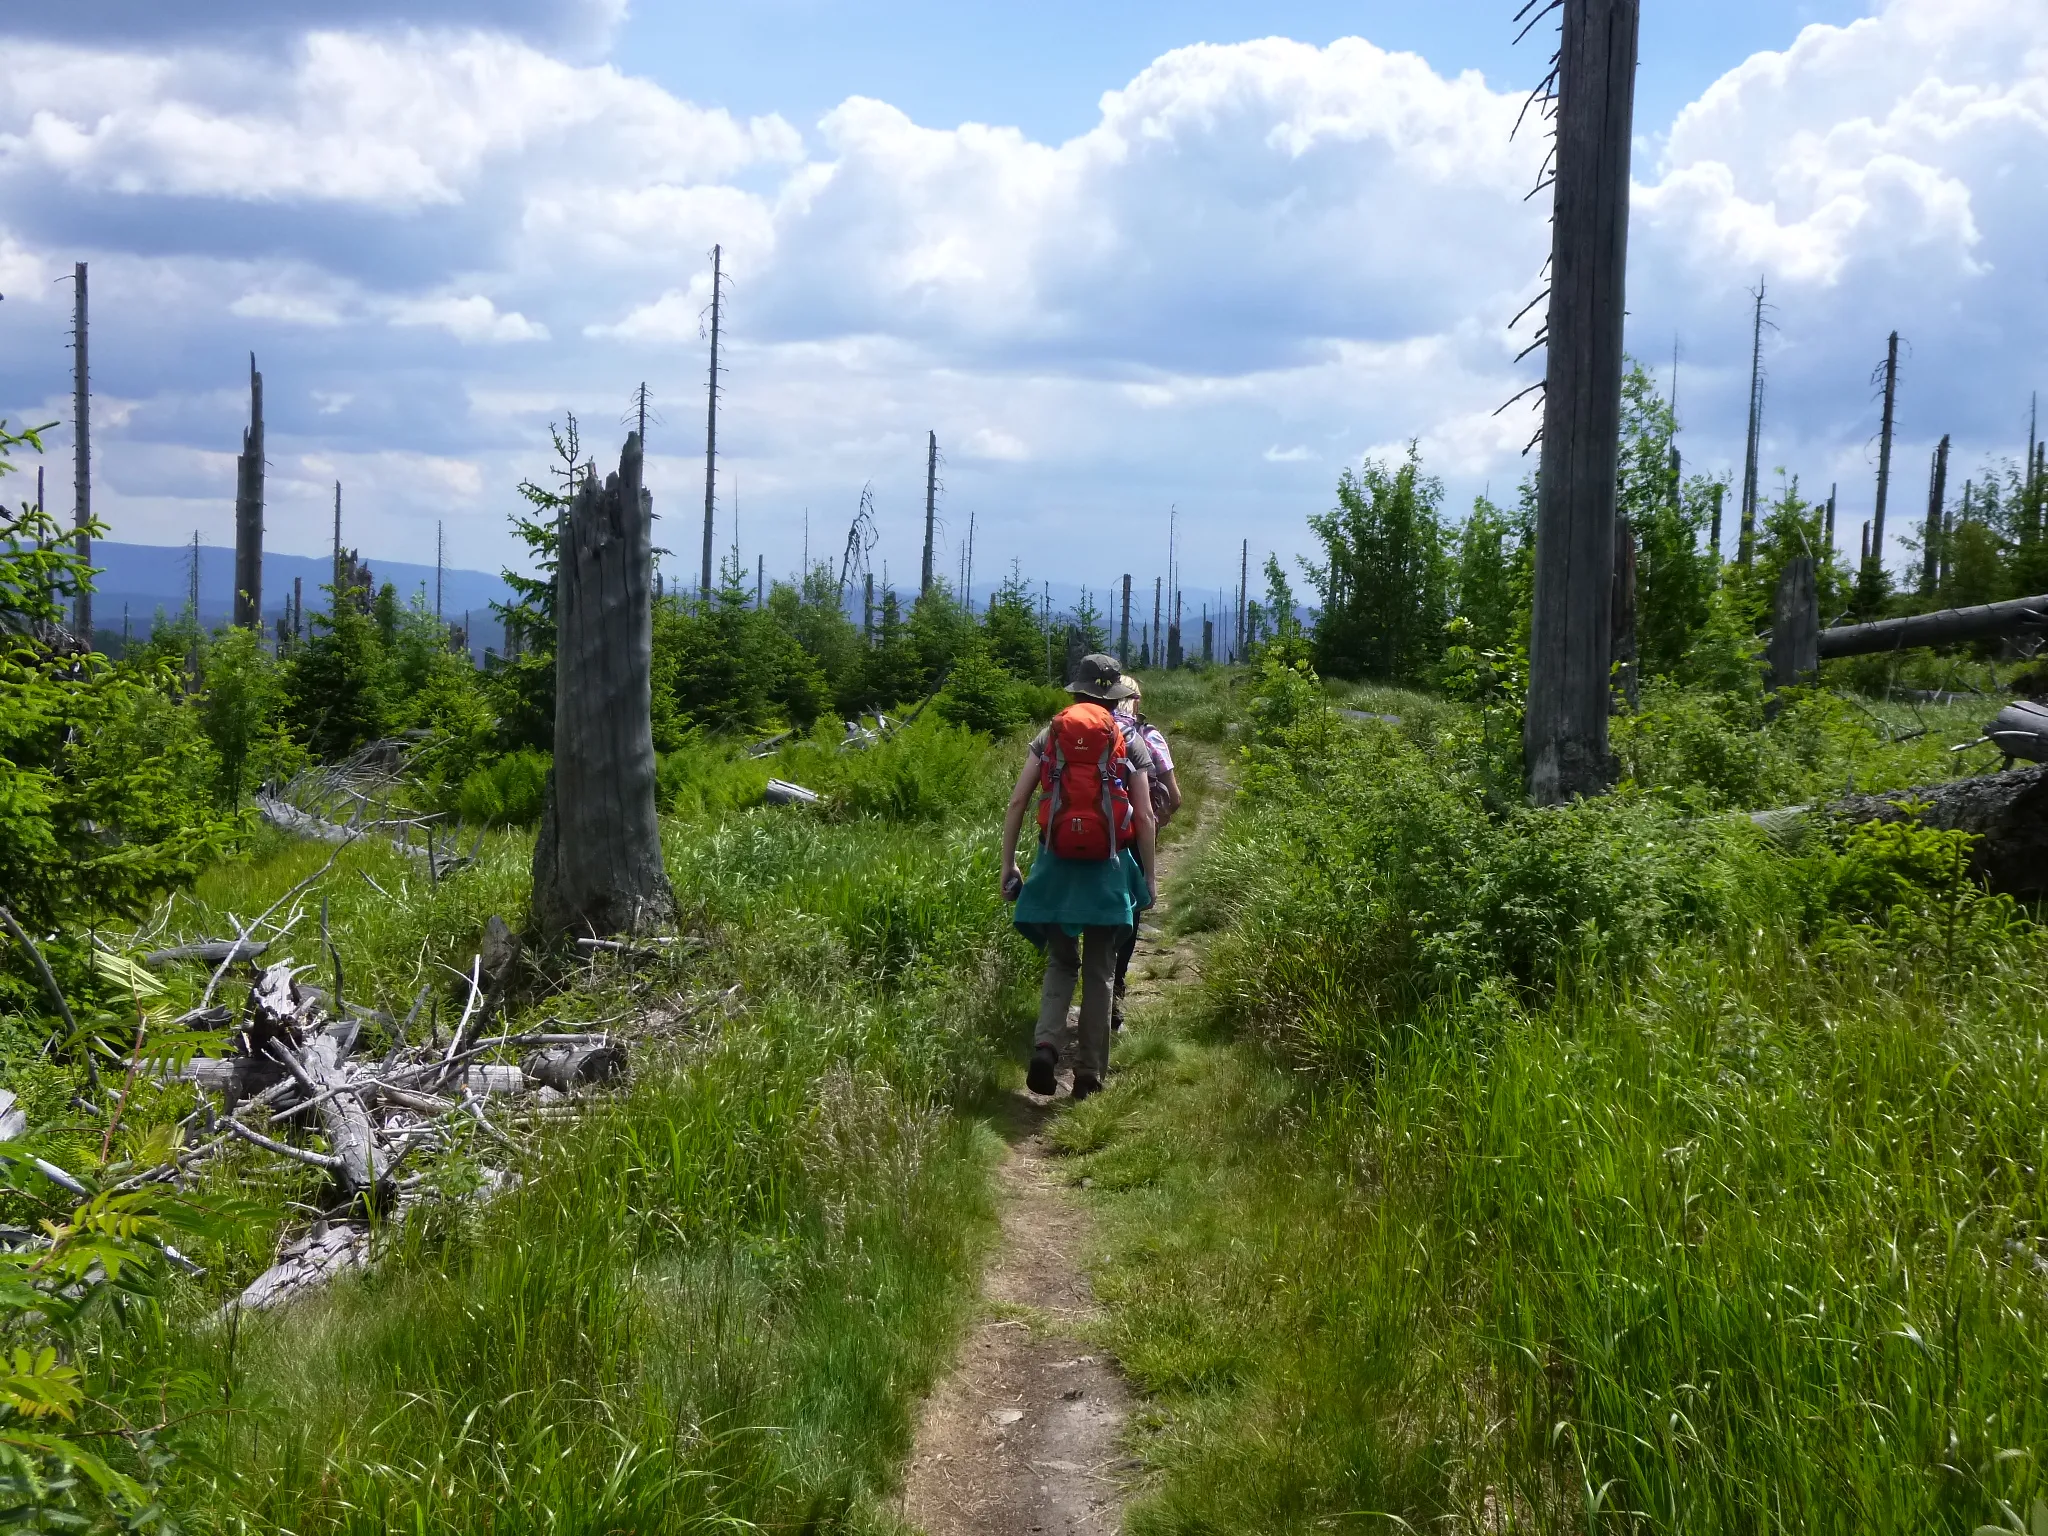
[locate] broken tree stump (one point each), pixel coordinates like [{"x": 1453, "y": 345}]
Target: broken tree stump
[
  {"x": 1795, "y": 625},
  {"x": 597, "y": 862}
]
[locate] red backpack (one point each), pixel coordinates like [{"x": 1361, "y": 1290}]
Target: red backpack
[{"x": 1084, "y": 809}]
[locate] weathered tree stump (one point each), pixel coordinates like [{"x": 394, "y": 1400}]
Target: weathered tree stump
[
  {"x": 597, "y": 862},
  {"x": 1795, "y": 625}
]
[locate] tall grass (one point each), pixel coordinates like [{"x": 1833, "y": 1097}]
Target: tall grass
[
  {"x": 711, "y": 1305},
  {"x": 1604, "y": 1170}
]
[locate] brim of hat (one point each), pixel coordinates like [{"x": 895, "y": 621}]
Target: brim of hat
[{"x": 1116, "y": 690}]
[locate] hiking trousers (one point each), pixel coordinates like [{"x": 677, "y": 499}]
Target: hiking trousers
[{"x": 1092, "y": 958}]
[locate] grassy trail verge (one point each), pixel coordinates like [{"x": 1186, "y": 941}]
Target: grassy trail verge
[
  {"x": 1025, "y": 1433},
  {"x": 1613, "y": 1169},
  {"x": 712, "y": 1301}
]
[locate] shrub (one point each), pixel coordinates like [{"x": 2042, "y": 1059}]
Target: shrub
[
  {"x": 981, "y": 696},
  {"x": 510, "y": 792}
]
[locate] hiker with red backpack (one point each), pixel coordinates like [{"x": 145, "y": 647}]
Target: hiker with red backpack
[{"x": 1094, "y": 871}]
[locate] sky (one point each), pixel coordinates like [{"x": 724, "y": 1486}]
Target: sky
[{"x": 1131, "y": 264}]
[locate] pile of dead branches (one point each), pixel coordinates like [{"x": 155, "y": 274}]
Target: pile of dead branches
[
  {"x": 362, "y": 795},
  {"x": 294, "y": 1076}
]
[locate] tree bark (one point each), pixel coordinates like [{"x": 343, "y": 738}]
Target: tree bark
[
  {"x": 597, "y": 862},
  {"x": 249, "y": 511},
  {"x": 1626, "y": 686},
  {"x": 2008, "y": 812},
  {"x": 1946, "y": 626},
  {"x": 1571, "y": 632},
  {"x": 1795, "y": 625}
]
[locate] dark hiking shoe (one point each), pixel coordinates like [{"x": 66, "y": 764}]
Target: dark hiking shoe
[
  {"x": 1116, "y": 1017},
  {"x": 1085, "y": 1086},
  {"x": 1038, "y": 1077}
]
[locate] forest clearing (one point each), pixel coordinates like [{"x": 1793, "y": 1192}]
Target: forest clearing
[{"x": 1582, "y": 1066}]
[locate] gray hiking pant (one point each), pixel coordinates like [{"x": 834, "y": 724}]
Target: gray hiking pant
[{"x": 1092, "y": 957}]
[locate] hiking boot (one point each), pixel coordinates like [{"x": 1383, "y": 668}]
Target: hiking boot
[
  {"x": 1085, "y": 1086},
  {"x": 1038, "y": 1077},
  {"x": 1116, "y": 1017}
]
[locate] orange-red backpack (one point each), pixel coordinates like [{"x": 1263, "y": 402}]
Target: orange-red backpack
[{"x": 1084, "y": 806}]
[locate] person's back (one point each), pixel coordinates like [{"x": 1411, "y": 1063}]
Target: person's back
[{"x": 1093, "y": 872}]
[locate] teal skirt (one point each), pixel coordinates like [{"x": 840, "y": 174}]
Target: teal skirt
[{"x": 1072, "y": 894}]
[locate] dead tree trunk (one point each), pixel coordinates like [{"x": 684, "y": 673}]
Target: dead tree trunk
[
  {"x": 710, "y": 432},
  {"x": 1795, "y": 625},
  {"x": 597, "y": 863},
  {"x": 1937, "y": 508},
  {"x": 1627, "y": 690},
  {"x": 1571, "y": 633},
  {"x": 249, "y": 511},
  {"x": 81, "y": 457},
  {"x": 1870, "y": 581},
  {"x": 1123, "y": 643},
  {"x": 1745, "y": 539},
  {"x": 2007, "y": 811},
  {"x": 1945, "y": 626},
  {"x": 931, "y": 511}
]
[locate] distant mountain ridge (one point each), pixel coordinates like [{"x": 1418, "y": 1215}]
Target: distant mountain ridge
[{"x": 148, "y": 577}]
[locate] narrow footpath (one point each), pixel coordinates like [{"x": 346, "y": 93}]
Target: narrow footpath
[{"x": 1024, "y": 1435}]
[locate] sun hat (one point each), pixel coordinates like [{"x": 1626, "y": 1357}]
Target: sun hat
[{"x": 1097, "y": 676}]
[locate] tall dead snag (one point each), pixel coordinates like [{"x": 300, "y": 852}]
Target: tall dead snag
[
  {"x": 931, "y": 507},
  {"x": 1745, "y": 540},
  {"x": 249, "y": 510},
  {"x": 81, "y": 456},
  {"x": 1936, "y": 529},
  {"x": 1870, "y": 580},
  {"x": 597, "y": 863},
  {"x": 710, "y": 429},
  {"x": 1795, "y": 625},
  {"x": 1571, "y": 630}
]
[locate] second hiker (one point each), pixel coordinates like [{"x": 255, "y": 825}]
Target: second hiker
[
  {"x": 1094, "y": 871},
  {"x": 1130, "y": 714}
]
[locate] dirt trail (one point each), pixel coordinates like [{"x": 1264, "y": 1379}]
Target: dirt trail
[{"x": 1023, "y": 1436}]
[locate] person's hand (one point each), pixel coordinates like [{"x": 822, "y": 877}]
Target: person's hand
[{"x": 1013, "y": 882}]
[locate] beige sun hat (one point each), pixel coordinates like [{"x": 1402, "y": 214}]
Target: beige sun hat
[{"x": 1098, "y": 677}]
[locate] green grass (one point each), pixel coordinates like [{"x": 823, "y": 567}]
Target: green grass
[
  {"x": 712, "y": 1305},
  {"x": 1729, "y": 1217}
]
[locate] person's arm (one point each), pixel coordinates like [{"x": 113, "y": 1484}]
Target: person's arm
[
  {"x": 1171, "y": 779},
  {"x": 1148, "y": 830},
  {"x": 1013, "y": 820}
]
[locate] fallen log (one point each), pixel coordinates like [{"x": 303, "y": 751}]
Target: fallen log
[
  {"x": 1948, "y": 626},
  {"x": 2021, "y": 730},
  {"x": 2007, "y": 811},
  {"x": 287, "y": 817},
  {"x": 210, "y": 951},
  {"x": 565, "y": 1068},
  {"x": 782, "y": 792},
  {"x": 309, "y": 1261}
]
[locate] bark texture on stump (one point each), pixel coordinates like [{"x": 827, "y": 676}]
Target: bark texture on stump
[
  {"x": 597, "y": 863},
  {"x": 1795, "y": 625},
  {"x": 1627, "y": 684},
  {"x": 1571, "y": 635}
]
